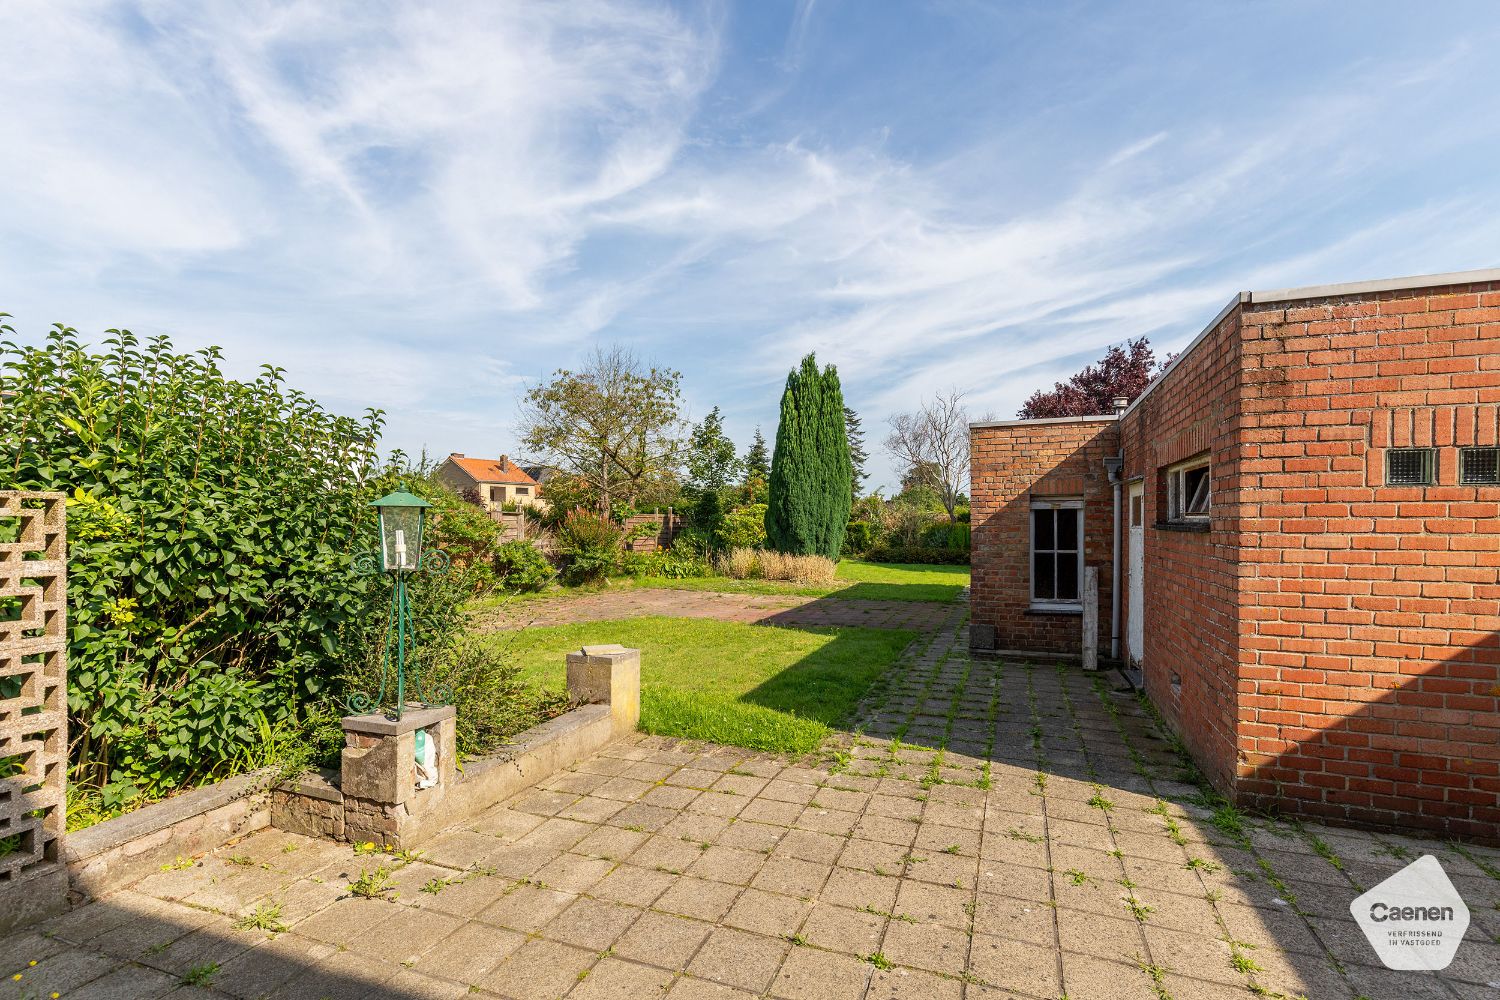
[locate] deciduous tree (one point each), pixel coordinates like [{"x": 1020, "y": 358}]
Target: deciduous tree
[
  {"x": 933, "y": 445},
  {"x": 1125, "y": 370}
]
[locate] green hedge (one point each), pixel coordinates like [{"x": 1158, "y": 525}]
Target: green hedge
[{"x": 916, "y": 554}]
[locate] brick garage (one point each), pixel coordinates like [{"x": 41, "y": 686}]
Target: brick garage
[{"x": 1319, "y": 547}]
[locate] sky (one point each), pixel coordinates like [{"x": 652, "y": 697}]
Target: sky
[{"x": 428, "y": 207}]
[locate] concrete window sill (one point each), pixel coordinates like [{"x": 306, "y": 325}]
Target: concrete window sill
[
  {"x": 1190, "y": 526},
  {"x": 1075, "y": 612}
]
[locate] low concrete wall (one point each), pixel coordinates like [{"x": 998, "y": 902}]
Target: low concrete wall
[{"x": 112, "y": 854}]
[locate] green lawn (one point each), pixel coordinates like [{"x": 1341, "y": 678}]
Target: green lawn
[
  {"x": 856, "y": 580},
  {"x": 753, "y": 686}
]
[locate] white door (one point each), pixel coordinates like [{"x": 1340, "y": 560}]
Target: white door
[{"x": 1135, "y": 626}]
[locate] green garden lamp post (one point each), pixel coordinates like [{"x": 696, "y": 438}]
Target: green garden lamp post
[{"x": 402, "y": 520}]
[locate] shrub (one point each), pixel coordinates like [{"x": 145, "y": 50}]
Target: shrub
[
  {"x": 214, "y": 524},
  {"x": 590, "y": 546},
  {"x": 671, "y": 564},
  {"x": 916, "y": 554},
  {"x": 744, "y": 528},
  {"x": 740, "y": 563},
  {"x": 800, "y": 569},
  {"x": 946, "y": 535},
  {"x": 860, "y": 535},
  {"x": 520, "y": 567}
]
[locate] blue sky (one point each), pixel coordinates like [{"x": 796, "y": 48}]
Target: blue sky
[{"x": 427, "y": 207}]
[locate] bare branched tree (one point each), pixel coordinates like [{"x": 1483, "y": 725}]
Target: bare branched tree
[
  {"x": 934, "y": 443},
  {"x": 614, "y": 424}
]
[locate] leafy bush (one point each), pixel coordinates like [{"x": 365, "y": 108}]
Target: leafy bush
[
  {"x": 916, "y": 554},
  {"x": 860, "y": 535},
  {"x": 946, "y": 535},
  {"x": 213, "y": 528},
  {"x": 671, "y": 564},
  {"x": 744, "y": 528},
  {"x": 520, "y": 567},
  {"x": 590, "y": 545}
]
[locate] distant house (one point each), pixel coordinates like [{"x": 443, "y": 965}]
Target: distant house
[{"x": 493, "y": 482}]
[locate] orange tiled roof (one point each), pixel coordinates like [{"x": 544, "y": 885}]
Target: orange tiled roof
[{"x": 492, "y": 470}]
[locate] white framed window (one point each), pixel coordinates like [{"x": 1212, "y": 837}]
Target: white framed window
[
  {"x": 1188, "y": 490},
  {"x": 1056, "y": 553},
  {"x": 522, "y": 491}
]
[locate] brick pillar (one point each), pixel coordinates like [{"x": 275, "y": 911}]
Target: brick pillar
[{"x": 382, "y": 802}]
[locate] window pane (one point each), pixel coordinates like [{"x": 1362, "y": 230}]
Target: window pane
[
  {"x": 1067, "y": 530},
  {"x": 1195, "y": 491},
  {"x": 1480, "y": 465},
  {"x": 1409, "y": 466},
  {"x": 1067, "y": 577},
  {"x": 1042, "y": 537},
  {"x": 1043, "y": 576}
]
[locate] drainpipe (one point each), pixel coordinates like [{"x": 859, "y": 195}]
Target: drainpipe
[{"x": 1113, "y": 466}]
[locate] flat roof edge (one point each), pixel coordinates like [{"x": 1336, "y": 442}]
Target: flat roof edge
[
  {"x": 1035, "y": 421},
  {"x": 1229, "y": 307},
  {"x": 1377, "y": 285}
]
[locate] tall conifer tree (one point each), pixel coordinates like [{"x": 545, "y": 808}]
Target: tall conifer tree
[
  {"x": 857, "y": 454},
  {"x": 811, "y": 474}
]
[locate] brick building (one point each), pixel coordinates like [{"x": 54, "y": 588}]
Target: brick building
[{"x": 1299, "y": 519}]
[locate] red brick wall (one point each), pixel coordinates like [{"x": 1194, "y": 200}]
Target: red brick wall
[
  {"x": 1190, "y": 659},
  {"x": 1008, "y": 466},
  {"x": 1370, "y": 639}
]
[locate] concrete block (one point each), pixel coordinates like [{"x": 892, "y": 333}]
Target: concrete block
[{"x": 610, "y": 675}]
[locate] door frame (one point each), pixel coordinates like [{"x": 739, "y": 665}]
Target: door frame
[{"x": 1135, "y": 619}]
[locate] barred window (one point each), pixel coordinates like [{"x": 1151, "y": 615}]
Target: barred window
[
  {"x": 1478, "y": 466},
  {"x": 1410, "y": 466}
]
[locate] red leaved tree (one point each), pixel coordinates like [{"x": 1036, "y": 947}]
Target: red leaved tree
[{"x": 1123, "y": 371}]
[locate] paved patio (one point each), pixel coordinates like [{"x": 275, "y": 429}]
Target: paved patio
[
  {"x": 790, "y": 610},
  {"x": 999, "y": 830}
]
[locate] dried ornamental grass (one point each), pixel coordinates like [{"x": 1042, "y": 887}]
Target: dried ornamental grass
[{"x": 740, "y": 563}]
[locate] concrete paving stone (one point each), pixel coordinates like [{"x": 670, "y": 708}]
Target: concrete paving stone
[
  {"x": 623, "y": 789},
  {"x": 217, "y": 942},
  {"x": 767, "y": 913},
  {"x": 557, "y": 833},
  {"x": 472, "y": 893},
  {"x": 632, "y": 884},
  {"x": 62, "y": 972},
  {"x": 719, "y": 804},
  {"x": 742, "y": 785},
  {"x": 641, "y": 817},
  {"x": 693, "y": 776},
  {"x": 837, "y": 822},
  {"x": 760, "y": 838},
  {"x": 407, "y": 880},
  {"x": 409, "y": 985},
  {"x": 346, "y": 918},
  {"x": 1101, "y": 936},
  {"x": 812, "y": 975},
  {"x": 521, "y": 860},
  {"x": 838, "y": 798},
  {"x": 1088, "y": 978},
  {"x": 539, "y": 969},
  {"x": 700, "y": 898},
  {"x": 792, "y": 877},
  {"x": 670, "y": 796},
  {"x": 611, "y": 843},
  {"x": 133, "y": 981},
  {"x": 961, "y": 815},
  {"x": 470, "y": 952},
  {"x": 935, "y": 904},
  {"x": 648, "y": 770},
  {"x": 20, "y": 947},
  {"x": 1178, "y": 878},
  {"x": 792, "y": 792},
  {"x": 574, "y": 872},
  {"x": 807, "y": 845},
  {"x": 838, "y": 928},
  {"x": 526, "y": 908},
  {"x": 911, "y": 984},
  {"x": 937, "y": 837},
  {"x": 591, "y": 923},
  {"x": 461, "y": 848},
  {"x": 1476, "y": 962},
  {"x": 617, "y": 979},
  {"x": 404, "y": 935},
  {"x": 592, "y": 809},
  {"x": 1199, "y": 955},
  {"x": 1022, "y": 881},
  {"x": 886, "y": 830},
  {"x": 690, "y": 988},
  {"x": 541, "y": 802},
  {"x": 738, "y": 958},
  {"x": 1096, "y": 865},
  {"x": 727, "y": 864},
  {"x": 663, "y": 939},
  {"x": 151, "y": 928},
  {"x": 339, "y": 976},
  {"x": 573, "y": 781},
  {"x": 269, "y": 964},
  {"x": 1000, "y": 963},
  {"x": 1082, "y": 835},
  {"x": 1007, "y": 849},
  {"x": 771, "y": 811},
  {"x": 926, "y": 946},
  {"x": 857, "y": 889},
  {"x": 904, "y": 807},
  {"x": 671, "y": 853},
  {"x": 939, "y": 868},
  {"x": 1017, "y": 919}
]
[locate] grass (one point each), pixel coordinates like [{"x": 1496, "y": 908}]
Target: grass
[
  {"x": 753, "y": 686},
  {"x": 859, "y": 581}
]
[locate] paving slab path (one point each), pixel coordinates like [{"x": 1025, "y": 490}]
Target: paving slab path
[
  {"x": 991, "y": 830},
  {"x": 791, "y": 610}
]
